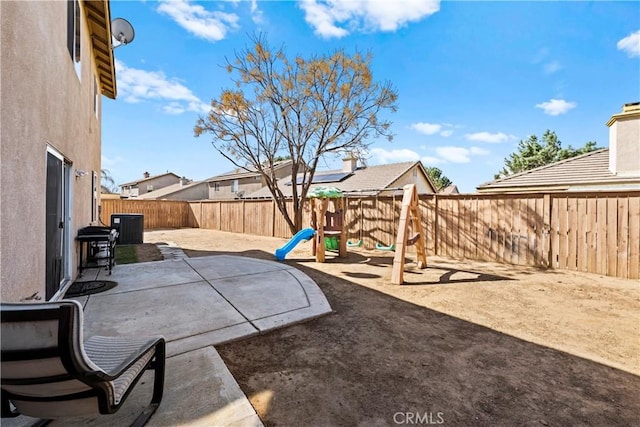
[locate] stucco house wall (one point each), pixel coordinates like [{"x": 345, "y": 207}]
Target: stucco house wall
[
  {"x": 224, "y": 189},
  {"x": 196, "y": 192},
  {"x": 624, "y": 141},
  {"x": 416, "y": 175},
  {"x": 146, "y": 185},
  {"x": 43, "y": 104},
  {"x": 221, "y": 187}
]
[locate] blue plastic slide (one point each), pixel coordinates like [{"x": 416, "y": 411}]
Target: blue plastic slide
[{"x": 304, "y": 234}]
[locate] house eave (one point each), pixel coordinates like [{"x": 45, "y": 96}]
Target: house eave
[
  {"x": 99, "y": 22},
  {"x": 573, "y": 186}
]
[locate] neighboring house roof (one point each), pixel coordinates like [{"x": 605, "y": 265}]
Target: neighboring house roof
[
  {"x": 244, "y": 172},
  {"x": 450, "y": 189},
  {"x": 168, "y": 190},
  {"x": 364, "y": 180},
  {"x": 584, "y": 171},
  {"x": 99, "y": 23},
  {"x": 142, "y": 180}
]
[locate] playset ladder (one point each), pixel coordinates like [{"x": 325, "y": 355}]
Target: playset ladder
[{"x": 410, "y": 213}]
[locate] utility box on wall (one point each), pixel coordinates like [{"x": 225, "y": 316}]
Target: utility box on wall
[{"x": 130, "y": 228}]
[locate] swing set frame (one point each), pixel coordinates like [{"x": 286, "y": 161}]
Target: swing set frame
[{"x": 410, "y": 214}]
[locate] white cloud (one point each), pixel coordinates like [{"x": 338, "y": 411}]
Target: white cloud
[
  {"x": 394, "y": 156},
  {"x": 174, "y": 108},
  {"x": 478, "y": 151},
  {"x": 330, "y": 17},
  {"x": 108, "y": 162},
  {"x": 433, "y": 128},
  {"x": 540, "y": 55},
  {"x": 555, "y": 107},
  {"x": 459, "y": 154},
  {"x": 135, "y": 85},
  {"x": 209, "y": 25},
  {"x": 491, "y": 138},
  {"x": 426, "y": 128},
  {"x": 431, "y": 161},
  {"x": 543, "y": 57},
  {"x": 552, "y": 67},
  {"x": 631, "y": 44},
  {"x": 257, "y": 16},
  {"x": 443, "y": 155}
]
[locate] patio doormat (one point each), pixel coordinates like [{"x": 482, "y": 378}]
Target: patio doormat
[{"x": 79, "y": 289}]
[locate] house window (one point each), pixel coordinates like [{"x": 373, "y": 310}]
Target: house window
[
  {"x": 216, "y": 186},
  {"x": 150, "y": 187},
  {"x": 234, "y": 186},
  {"x": 74, "y": 36}
]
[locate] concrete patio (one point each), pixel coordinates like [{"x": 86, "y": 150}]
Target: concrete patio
[{"x": 195, "y": 303}]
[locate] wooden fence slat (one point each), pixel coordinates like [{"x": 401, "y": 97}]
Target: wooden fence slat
[
  {"x": 634, "y": 237},
  {"x": 563, "y": 232},
  {"x": 532, "y": 225},
  {"x": 622, "y": 269},
  {"x": 601, "y": 238},
  {"x": 493, "y": 254},
  {"x": 591, "y": 222},
  {"x": 463, "y": 227},
  {"x": 582, "y": 234},
  {"x": 502, "y": 229},
  {"x": 472, "y": 227},
  {"x": 485, "y": 227},
  {"x": 612, "y": 236},
  {"x": 572, "y": 234},
  {"x": 455, "y": 228},
  {"x": 521, "y": 242},
  {"x": 546, "y": 231},
  {"x": 511, "y": 231},
  {"x": 554, "y": 235},
  {"x": 434, "y": 222},
  {"x": 541, "y": 257},
  {"x": 442, "y": 227}
]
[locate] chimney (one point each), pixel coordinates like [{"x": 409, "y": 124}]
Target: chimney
[
  {"x": 624, "y": 141},
  {"x": 146, "y": 175},
  {"x": 349, "y": 163},
  {"x": 183, "y": 181}
]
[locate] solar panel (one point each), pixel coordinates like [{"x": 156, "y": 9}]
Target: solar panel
[
  {"x": 325, "y": 178},
  {"x": 332, "y": 177}
]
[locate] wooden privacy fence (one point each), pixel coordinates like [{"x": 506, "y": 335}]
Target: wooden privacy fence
[
  {"x": 157, "y": 213},
  {"x": 596, "y": 232}
]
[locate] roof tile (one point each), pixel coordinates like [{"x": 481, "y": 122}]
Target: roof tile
[{"x": 587, "y": 169}]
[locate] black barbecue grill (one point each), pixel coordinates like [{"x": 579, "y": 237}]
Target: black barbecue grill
[{"x": 98, "y": 243}]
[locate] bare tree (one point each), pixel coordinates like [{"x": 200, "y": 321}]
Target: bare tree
[{"x": 302, "y": 109}]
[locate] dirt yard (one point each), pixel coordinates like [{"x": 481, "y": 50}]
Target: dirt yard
[{"x": 461, "y": 343}]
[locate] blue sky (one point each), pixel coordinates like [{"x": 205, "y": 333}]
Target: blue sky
[{"x": 474, "y": 78}]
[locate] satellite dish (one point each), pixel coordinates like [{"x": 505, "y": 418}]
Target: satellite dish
[{"x": 122, "y": 31}]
